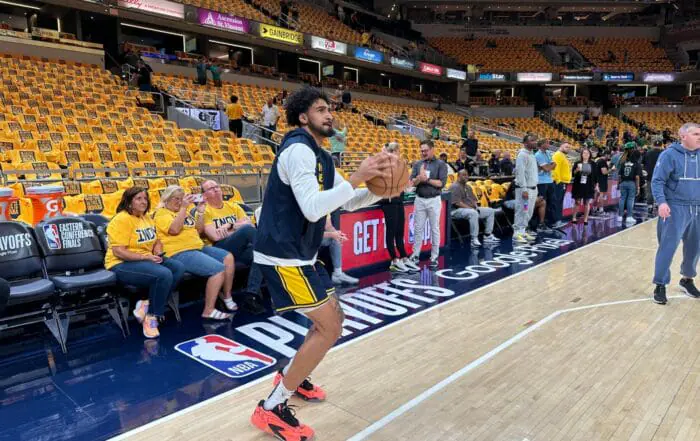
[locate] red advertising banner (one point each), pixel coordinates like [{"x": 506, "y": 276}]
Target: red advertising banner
[
  {"x": 367, "y": 244},
  {"x": 430, "y": 69},
  {"x": 611, "y": 197}
]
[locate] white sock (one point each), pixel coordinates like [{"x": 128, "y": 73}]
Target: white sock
[
  {"x": 286, "y": 368},
  {"x": 230, "y": 304},
  {"x": 337, "y": 272},
  {"x": 278, "y": 396}
]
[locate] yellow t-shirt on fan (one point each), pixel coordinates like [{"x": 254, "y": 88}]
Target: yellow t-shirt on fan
[
  {"x": 562, "y": 169},
  {"x": 187, "y": 240},
  {"x": 137, "y": 234},
  {"x": 229, "y": 213},
  {"x": 234, "y": 111}
]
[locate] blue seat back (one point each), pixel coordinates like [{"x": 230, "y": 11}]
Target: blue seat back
[
  {"x": 70, "y": 244},
  {"x": 20, "y": 257}
]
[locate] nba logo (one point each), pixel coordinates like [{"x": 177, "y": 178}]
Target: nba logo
[
  {"x": 53, "y": 239},
  {"x": 225, "y": 356},
  {"x": 412, "y": 230}
]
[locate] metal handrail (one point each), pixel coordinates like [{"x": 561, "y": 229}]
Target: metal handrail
[
  {"x": 218, "y": 99},
  {"x": 219, "y": 103},
  {"x": 187, "y": 103},
  {"x": 160, "y": 103},
  {"x": 503, "y": 131}
]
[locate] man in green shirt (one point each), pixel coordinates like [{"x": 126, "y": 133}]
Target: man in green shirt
[
  {"x": 215, "y": 74},
  {"x": 435, "y": 133},
  {"x": 465, "y": 128}
]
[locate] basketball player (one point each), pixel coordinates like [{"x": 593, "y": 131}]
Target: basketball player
[
  {"x": 302, "y": 190},
  {"x": 676, "y": 188}
]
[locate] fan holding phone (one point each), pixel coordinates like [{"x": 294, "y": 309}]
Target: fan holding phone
[{"x": 180, "y": 234}]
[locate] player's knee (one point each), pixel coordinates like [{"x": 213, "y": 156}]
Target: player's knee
[
  {"x": 336, "y": 325},
  {"x": 335, "y": 329}
]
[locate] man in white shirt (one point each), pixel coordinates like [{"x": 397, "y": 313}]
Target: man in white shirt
[
  {"x": 269, "y": 114},
  {"x": 302, "y": 189}
]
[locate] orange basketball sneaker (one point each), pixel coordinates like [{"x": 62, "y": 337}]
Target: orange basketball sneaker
[
  {"x": 306, "y": 390},
  {"x": 281, "y": 423}
]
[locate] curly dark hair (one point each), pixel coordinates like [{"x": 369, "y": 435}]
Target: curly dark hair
[
  {"x": 128, "y": 196},
  {"x": 301, "y": 101}
]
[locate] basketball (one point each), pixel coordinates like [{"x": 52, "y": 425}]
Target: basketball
[{"x": 393, "y": 184}]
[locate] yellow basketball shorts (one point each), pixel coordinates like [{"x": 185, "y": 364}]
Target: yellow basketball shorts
[{"x": 298, "y": 287}]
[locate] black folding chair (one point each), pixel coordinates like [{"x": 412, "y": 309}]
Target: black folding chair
[
  {"x": 30, "y": 295},
  {"x": 74, "y": 259}
]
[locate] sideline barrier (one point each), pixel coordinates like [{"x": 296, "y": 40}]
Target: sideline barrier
[{"x": 367, "y": 236}]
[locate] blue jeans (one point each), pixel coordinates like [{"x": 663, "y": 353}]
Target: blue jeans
[
  {"x": 628, "y": 192},
  {"x": 335, "y": 251},
  {"x": 242, "y": 244},
  {"x": 160, "y": 279},
  {"x": 203, "y": 263}
]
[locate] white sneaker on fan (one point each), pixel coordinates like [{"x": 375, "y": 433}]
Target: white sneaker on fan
[
  {"x": 340, "y": 278},
  {"x": 408, "y": 263}
]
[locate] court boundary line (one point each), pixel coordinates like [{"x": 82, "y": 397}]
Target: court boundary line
[
  {"x": 194, "y": 407},
  {"x": 428, "y": 393},
  {"x": 628, "y": 246}
]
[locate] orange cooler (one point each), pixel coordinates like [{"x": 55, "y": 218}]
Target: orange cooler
[
  {"x": 46, "y": 202},
  {"x": 6, "y": 198}
]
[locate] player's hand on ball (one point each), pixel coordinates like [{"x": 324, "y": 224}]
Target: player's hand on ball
[{"x": 372, "y": 167}]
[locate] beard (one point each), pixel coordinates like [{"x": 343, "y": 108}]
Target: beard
[{"x": 322, "y": 130}]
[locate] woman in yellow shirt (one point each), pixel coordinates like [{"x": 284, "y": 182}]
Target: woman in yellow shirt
[
  {"x": 234, "y": 112},
  {"x": 179, "y": 232},
  {"x": 135, "y": 255}
]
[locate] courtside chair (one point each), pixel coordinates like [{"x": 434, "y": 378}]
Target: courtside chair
[
  {"x": 31, "y": 292},
  {"x": 74, "y": 259}
]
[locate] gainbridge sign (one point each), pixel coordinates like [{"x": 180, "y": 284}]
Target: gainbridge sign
[{"x": 280, "y": 34}]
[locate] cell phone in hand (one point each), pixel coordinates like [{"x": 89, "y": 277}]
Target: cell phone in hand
[{"x": 198, "y": 198}]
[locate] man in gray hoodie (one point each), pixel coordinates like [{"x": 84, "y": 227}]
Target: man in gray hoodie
[{"x": 676, "y": 188}]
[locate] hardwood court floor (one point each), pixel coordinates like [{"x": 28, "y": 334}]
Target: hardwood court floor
[{"x": 626, "y": 371}]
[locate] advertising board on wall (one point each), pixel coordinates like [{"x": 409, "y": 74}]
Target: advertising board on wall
[
  {"x": 161, "y": 7},
  {"x": 323, "y": 44},
  {"x": 227, "y": 22}
]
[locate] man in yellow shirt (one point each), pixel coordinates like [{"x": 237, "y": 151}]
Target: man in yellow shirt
[
  {"x": 561, "y": 175},
  {"x": 227, "y": 226},
  {"x": 234, "y": 112}
]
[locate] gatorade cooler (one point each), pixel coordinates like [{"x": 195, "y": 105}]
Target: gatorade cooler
[
  {"x": 6, "y": 198},
  {"x": 46, "y": 202}
]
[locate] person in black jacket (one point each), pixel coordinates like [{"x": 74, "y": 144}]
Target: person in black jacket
[
  {"x": 507, "y": 165},
  {"x": 585, "y": 181},
  {"x": 494, "y": 165},
  {"x": 463, "y": 162}
]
